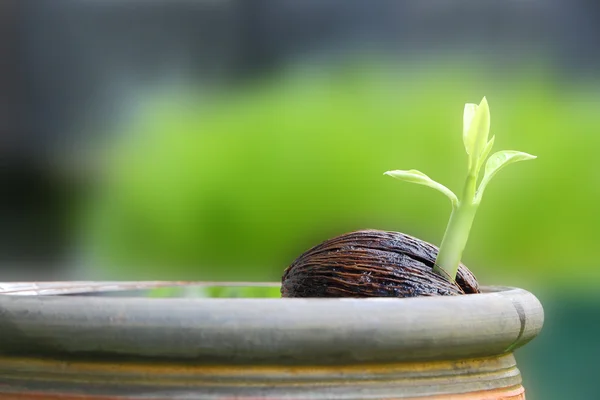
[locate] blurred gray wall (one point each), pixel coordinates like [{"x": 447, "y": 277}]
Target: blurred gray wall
[{"x": 85, "y": 63}]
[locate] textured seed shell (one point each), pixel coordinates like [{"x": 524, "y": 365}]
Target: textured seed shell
[{"x": 372, "y": 263}]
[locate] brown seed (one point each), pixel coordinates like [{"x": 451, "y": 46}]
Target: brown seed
[{"x": 372, "y": 263}]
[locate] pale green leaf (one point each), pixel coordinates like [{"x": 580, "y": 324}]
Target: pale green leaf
[
  {"x": 495, "y": 163},
  {"x": 477, "y": 132},
  {"x": 485, "y": 153},
  {"x": 420, "y": 178}
]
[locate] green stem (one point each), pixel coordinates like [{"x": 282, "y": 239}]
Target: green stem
[{"x": 457, "y": 232}]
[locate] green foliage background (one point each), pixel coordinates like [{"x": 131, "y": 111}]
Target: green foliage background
[{"x": 236, "y": 187}]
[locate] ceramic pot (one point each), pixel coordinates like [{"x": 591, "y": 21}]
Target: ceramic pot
[{"x": 95, "y": 347}]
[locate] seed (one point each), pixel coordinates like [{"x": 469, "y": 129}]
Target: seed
[{"x": 372, "y": 263}]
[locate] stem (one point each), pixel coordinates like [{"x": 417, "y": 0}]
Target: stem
[{"x": 457, "y": 232}]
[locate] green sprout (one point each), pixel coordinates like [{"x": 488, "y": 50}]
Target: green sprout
[{"x": 476, "y": 127}]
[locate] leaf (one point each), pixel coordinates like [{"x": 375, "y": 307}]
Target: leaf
[
  {"x": 496, "y": 162},
  {"x": 485, "y": 153},
  {"x": 476, "y": 128},
  {"x": 420, "y": 178}
]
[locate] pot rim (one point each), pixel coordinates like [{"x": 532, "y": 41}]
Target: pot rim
[{"x": 272, "y": 330}]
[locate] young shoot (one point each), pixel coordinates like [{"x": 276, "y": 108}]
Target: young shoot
[{"x": 476, "y": 127}]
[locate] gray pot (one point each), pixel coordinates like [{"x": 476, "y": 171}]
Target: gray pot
[{"x": 455, "y": 347}]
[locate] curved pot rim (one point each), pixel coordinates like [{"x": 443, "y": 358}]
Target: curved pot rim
[{"x": 286, "y": 330}]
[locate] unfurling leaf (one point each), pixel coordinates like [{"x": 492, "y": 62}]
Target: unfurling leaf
[
  {"x": 468, "y": 115},
  {"x": 420, "y": 178},
  {"x": 496, "y": 162},
  {"x": 476, "y": 128},
  {"x": 484, "y": 154}
]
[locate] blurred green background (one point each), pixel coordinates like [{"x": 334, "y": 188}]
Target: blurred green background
[{"x": 237, "y": 188}]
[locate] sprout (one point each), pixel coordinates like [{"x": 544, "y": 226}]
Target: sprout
[{"x": 476, "y": 127}]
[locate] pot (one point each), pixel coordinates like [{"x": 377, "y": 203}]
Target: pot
[{"x": 97, "y": 347}]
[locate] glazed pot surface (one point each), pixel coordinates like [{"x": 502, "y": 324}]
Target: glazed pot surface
[{"x": 482, "y": 378}]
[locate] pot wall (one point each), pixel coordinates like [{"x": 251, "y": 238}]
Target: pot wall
[
  {"x": 481, "y": 378},
  {"x": 457, "y": 347}
]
